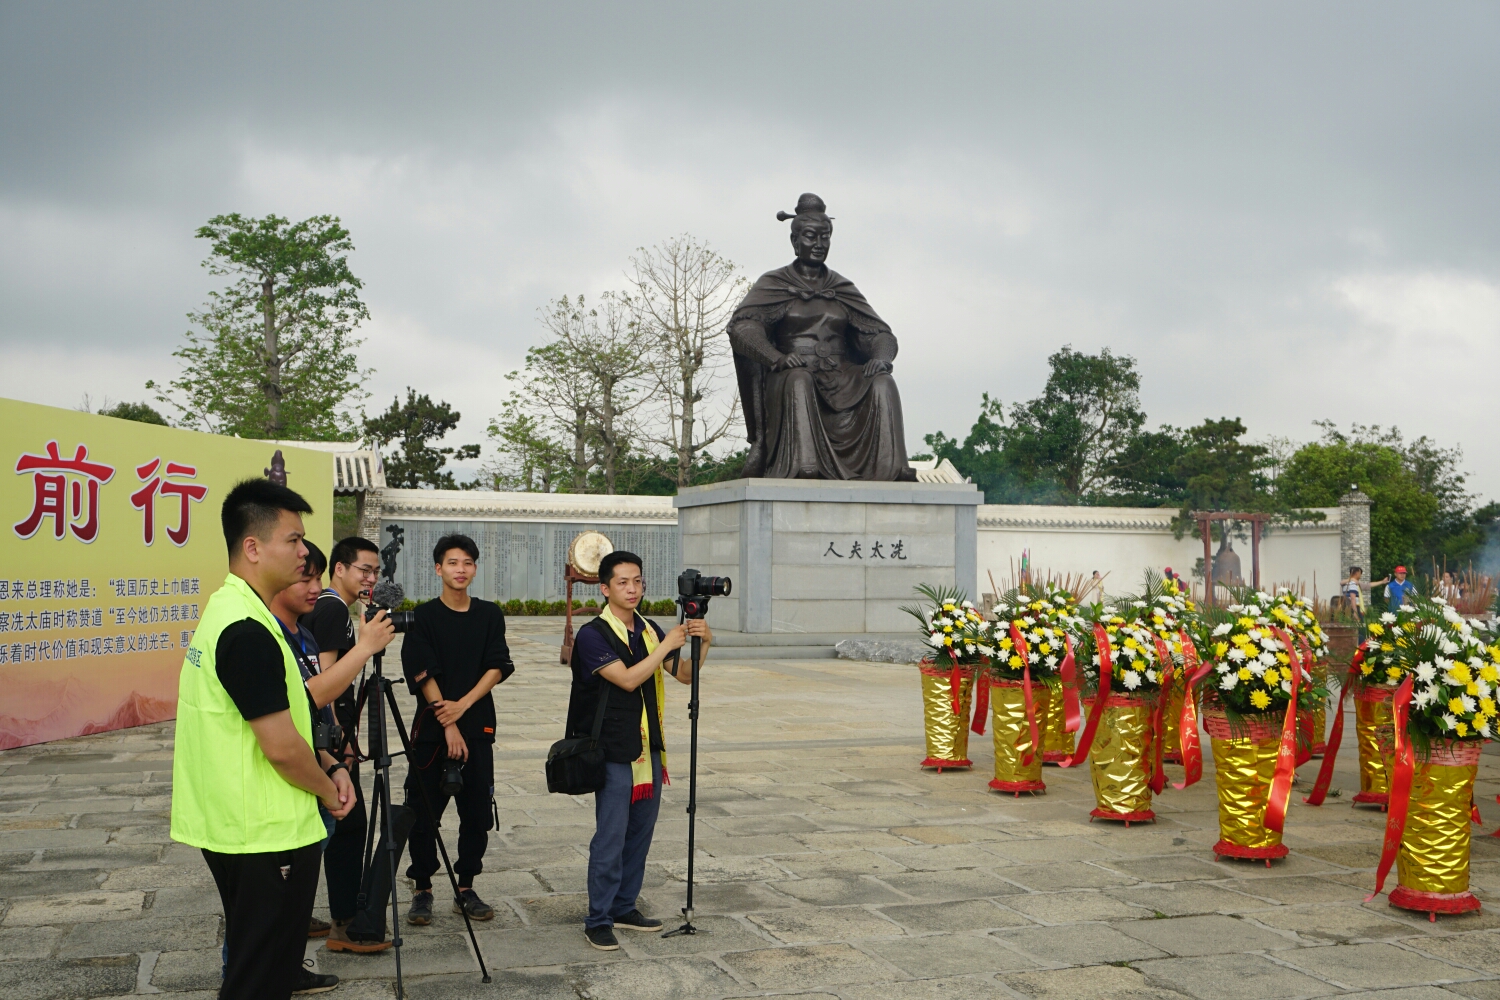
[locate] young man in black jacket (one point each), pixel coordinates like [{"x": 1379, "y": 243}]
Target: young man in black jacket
[
  {"x": 452, "y": 656},
  {"x": 619, "y": 657}
]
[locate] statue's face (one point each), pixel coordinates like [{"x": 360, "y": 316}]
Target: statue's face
[{"x": 811, "y": 243}]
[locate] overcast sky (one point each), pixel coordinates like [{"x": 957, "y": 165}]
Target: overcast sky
[{"x": 1285, "y": 212}]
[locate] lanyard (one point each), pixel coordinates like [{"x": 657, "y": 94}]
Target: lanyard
[{"x": 298, "y": 650}]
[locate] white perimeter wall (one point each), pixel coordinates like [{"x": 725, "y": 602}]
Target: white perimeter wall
[
  {"x": 1120, "y": 541},
  {"x": 1125, "y": 541}
]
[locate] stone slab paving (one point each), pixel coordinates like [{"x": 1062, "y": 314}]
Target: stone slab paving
[{"x": 830, "y": 868}]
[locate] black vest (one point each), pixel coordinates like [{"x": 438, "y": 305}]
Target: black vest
[{"x": 621, "y": 733}]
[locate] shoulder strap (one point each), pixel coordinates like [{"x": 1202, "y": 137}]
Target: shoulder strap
[{"x": 604, "y": 689}]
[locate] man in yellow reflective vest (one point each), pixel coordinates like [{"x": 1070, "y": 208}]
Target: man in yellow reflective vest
[{"x": 246, "y": 782}]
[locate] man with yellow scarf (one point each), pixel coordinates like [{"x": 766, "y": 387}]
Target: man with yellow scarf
[{"x": 618, "y": 656}]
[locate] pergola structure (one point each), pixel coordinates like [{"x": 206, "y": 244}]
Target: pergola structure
[{"x": 1205, "y": 518}]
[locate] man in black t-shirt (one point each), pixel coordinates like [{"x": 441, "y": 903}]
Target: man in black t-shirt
[
  {"x": 452, "y": 656},
  {"x": 355, "y": 564}
]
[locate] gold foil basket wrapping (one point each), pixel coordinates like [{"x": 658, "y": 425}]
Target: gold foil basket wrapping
[
  {"x": 1320, "y": 714},
  {"x": 947, "y": 733},
  {"x": 1171, "y": 723},
  {"x": 1434, "y": 856},
  {"x": 1057, "y": 742},
  {"x": 1012, "y": 735},
  {"x": 1374, "y": 734},
  {"x": 1244, "y": 765},
  {"x": 1118, "y": 762}
]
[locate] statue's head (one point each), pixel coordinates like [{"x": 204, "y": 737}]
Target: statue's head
[{"x": 812, "y": 229}]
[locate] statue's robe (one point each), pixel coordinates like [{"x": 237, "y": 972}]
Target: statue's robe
[{"x": 826, "y": 420}]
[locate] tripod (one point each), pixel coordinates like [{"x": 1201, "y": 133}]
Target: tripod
[
  {"x": 692, "y": 607},
  {"x": 385, "y": 696}
]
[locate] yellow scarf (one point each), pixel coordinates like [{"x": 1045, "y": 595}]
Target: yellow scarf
[{"x": 640, "y": 769}]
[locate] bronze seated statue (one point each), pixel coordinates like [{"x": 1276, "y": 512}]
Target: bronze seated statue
[{"x": 814, "y": 367}]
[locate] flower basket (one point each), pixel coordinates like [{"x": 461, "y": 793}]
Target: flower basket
[
  {"x": 1119, "y": 761},
  {"x": 946, "y": 697},
  {"x": 1018, "y": 763},
  {"x": 1244, "y": 765},
  {"x": 1432, "y": 867},
  {"x": 1374, "y": 736},
  {"x": 1314, "y": 724}
]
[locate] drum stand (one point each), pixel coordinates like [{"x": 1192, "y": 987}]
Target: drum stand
[{"x": 571, "y": 576}]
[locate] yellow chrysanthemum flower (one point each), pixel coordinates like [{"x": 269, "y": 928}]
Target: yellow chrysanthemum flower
[
  {"x": 1456, "y": 706},
  {"x": 1259, "y": 699},
  {"x": 1015, "y": 661},
  {"x": 1271, "y": 676},
  {"x": 1463, "y": 729},
  {"x": 1245, "y": 674},
  {"x": 1220, "y": 648}
]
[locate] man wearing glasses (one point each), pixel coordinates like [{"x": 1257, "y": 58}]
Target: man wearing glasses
[{"x": 354, "y": 567}]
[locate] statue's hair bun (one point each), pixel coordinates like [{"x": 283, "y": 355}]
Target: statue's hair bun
[{"x": 808, "y": 204}]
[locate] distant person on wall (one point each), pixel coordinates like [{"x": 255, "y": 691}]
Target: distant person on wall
[
  {"x": 454, "y": 653},
  {"x": 355, "y": 567},
  {"x": 246, "y": 782},
  {"x": 1397, "y": 591},
  {"x": 618, "y": 656},
  {"x": 1447, "y": 589}
]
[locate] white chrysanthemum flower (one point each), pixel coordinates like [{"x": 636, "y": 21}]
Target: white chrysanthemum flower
[
  {"x": 1483, "y": 686},
  {"x": 1132, "y": 680},
  {"x": 1256, "y": 667},
  {"x": 1424, "y": 697},
  {"x": 1469, "y": 704},
  {"x": 1151, "y": 676},
  {"x": 1408, "y": 608},
  {"x": 1426, "y": 671},
  {"x": 1483, "y": 729},
  {"x": 970, "y": 648},
  {"x": 1263, "y": 597},
  {"x": 1223, "y": 668},
  {"x": 987, "y": 650},
  {"x": 1236, "y": 654},
  {"x": 1138, "y": 604},
  {"x": 1266, "y": 658},
  {"x": 1111, "y": 609},
  {"x": 1036, "y": 636},
  {"x": 1096, "y": 659},
  {"x": 1449, "y": 722},
  {"x": 1387, "y": 617},
  {"x": 1224, "y": 629},
  {"x": 935, "y": 640},
  {"x": 1228, "y": 682},
  {"x": 1449, "y": 646},
  {"x": 1050, "y": 660},
  {"x": 1286, "y": 686}
]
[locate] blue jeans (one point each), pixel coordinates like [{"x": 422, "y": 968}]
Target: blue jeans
[{"x": 622, "y": 839}]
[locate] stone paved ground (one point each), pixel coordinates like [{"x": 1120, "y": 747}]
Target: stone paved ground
[{"x": 830, "y": 868}]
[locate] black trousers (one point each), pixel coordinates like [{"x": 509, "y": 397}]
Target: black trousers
[
  {"x": 343, "y": 858},
  {"x": 267, "y": 899},
  {"x": 474, "y": 815}
]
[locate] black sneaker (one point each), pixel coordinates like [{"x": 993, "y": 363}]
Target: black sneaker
[
  {"x": 468, "y": 901},
  {"x": 420, "y": 911},
  {"x": 309, "y": 981},
  {"x": 635, "y": 920},
  {"x": 602, "y": 938}
]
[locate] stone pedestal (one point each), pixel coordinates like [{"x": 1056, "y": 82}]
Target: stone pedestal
[{"x": 811, "y": 556}]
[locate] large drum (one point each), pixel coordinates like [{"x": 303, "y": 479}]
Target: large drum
[{"x": 588, "y": 550}]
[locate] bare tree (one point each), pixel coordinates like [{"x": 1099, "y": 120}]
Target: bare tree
[
  {"x": 684, "y": 294},
  {"x": 603, "y": 346}
]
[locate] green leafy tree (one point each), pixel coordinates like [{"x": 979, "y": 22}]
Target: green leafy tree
[
  {"x": 1407, "y": 489},
  {"x": 275, "y": 355},
  {"x": 1060, "y": 446},
  {"x": 139, "y": 412},
  {"x": 528, "y": 459},
  {"x": 417, "y": 423}
]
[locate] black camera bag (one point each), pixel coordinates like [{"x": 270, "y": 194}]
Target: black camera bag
[
  {"x": 576, "y": 766},
  {"x": 374, "y": 900}
]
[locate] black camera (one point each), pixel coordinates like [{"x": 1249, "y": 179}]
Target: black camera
[
  {"x": 402, "y": 620},
  {"x": 694, "y": 589},
  {"x": 453, "y": 778},
  {"x": 328, "y": 736}
]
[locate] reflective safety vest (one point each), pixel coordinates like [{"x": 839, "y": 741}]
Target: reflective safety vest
[{"x": 226, "y": 796}]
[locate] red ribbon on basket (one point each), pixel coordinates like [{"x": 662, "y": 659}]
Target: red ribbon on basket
[
  {"x": 1072, "y": 711},
  {"x": 1187, "y": 723},
  {"x": 1335, "y": 735},
  {"x": 1096, "y": 712},
  {"x": 1286, "y": 754},
  {"x": 1158, "y": 715},
  {"x": 1401, "y": 778},
  {"x": 1025, "y": 654},
  {"x": 981, "y": 698}
]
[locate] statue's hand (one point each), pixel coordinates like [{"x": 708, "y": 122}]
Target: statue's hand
[
  {"x": 790, "y": 361},
  {"x": 877, "y": 367}
]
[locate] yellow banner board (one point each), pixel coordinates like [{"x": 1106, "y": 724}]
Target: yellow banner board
[{"x": 110, "y": 544}]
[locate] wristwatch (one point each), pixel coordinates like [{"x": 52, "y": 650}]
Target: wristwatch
[{"x": 337, "y": 765}]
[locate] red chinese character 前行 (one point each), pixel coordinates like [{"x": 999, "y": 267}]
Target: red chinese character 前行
[
  {"x": 70, "y": 479},
  {"x": 144, "y": 499}
]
